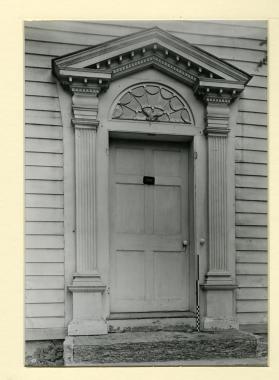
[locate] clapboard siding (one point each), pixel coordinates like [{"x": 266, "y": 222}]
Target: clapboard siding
[
  {"x": 251, "y": 207},
  {"x": 44, "y": 269},
  {"x": 252, "y": 118},
  {"x": 251, "y": 105},
  {"x": 44, "y": 309},
  {"x": 251, "y": 194},
  {"x": 255, "y": 244},
  {"x": 43, "y": 117},
  {"x": 39, "y": 323},
  {"x": 38, "y": 34},
  {"x": 41, "y": 89},
  {"x": 257, "y": 232},
  {"x": 252, "y": 281},
  {"x": 43, "y": 187},
  {"x": 251, "y": 306},
  {"x": 255, "y": 182},
  {"x": 43, "y": 159},
  {"x": 44, "y": 174},
  {"x": 256, "y": 157},
  {"x": 44, "y": 228},
  {"x": 34, "y": 60},
  {"x": 251, "y": 268},
  {"x": 251, "y": 257},
  {"x": 44, "y": 241},
  {"x": 35, "y": 172},
  {"x": 256, "y": 93},
  {"x": 249, "y": 143},
  {"x": 252, "y": 318},
  {"x": 44, "y": 282},
  {"x": 44, "y": 296},
  {"x": 39, "y": 75},
  {"x": 255, "y": 131},
  {"x": 47, "y": 103},
  {"x": 238, "y": 43},
  {"x": 252, "y": 294},
  {"x": 251, "y": 169},
  {"x": 43, "y": 132},
  {"x": 43, "y": 145},
  {"x": 245, "y": 219},
  {"x": 44, "y": 255},
  {"x": 118, "y": 28},
  {"x": 43, "y": 214},
  {"x": 39, "y": 201}
]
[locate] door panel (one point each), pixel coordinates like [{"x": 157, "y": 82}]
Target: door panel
[
  {"x": 130, "y": 208},
  {"x": 167, "y": 203},
  {"x": 149, "y": 266}
]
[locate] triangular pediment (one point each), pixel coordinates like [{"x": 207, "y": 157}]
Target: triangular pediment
[{"x": 151, "y": 48}]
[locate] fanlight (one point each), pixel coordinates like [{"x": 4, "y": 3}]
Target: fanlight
[{"x": 152, "y": 102}]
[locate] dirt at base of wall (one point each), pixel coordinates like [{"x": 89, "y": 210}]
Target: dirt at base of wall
[{"x": 44, "y": 353}]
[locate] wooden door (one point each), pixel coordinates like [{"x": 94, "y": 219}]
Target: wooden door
[{"x": 149, "y": 265}]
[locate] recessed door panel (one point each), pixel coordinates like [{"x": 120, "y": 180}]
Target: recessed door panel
[
  {"x": 130, "y": 161},
  {"x": 167, "y": 210},
  {"x": 170, "y": 280},
  {"x": 149, "y": 221},
  {"x": 129, "y": 275},
  {"x": 130, "y": 208}
]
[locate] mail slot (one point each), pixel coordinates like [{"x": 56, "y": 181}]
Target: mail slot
[{"x": 148, "y": 180}]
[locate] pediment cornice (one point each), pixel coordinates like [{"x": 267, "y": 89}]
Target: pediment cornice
[{"x": 101, "y": 64}]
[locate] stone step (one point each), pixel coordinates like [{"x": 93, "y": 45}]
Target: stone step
[
  {"x": 146, "y": 323},
  {"x": 158, "y": 346}
]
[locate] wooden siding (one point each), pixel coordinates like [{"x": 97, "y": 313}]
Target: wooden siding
[
  {"x": 238, "y": 43},
  {"x": 44, "y": 240}
]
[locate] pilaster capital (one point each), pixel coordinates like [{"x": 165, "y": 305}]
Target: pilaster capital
[
  {"x": 217, "y": 118},
  {"x": 85, "y": 103}
]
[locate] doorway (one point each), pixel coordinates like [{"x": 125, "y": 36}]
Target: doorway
[{"x": 149, "y": 226}]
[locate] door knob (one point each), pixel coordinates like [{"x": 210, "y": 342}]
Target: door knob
[{"x": 185, "y": 243}]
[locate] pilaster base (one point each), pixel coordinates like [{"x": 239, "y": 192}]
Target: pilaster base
[
  {"x": 220, "y": 306},
  {"x": 88, "y": 312}
]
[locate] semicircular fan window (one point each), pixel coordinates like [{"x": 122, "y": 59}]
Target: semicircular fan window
[{"x": 151, "y": 102}]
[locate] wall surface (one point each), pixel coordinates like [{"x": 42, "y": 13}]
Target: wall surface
[{"x": 242, "y": 44}]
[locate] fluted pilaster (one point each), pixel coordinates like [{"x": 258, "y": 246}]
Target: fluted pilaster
[
  {"x": 87, "y": 286},
  {"x": 86, "y": 237},
  {"x": 217, "y": 129}
]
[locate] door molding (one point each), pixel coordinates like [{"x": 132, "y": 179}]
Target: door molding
[{"x": 88, "y": 74}]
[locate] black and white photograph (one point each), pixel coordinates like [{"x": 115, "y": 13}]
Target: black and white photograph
[{"x": 146, "y": 162}]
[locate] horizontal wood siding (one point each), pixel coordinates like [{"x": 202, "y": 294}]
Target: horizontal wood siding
[
  {"x": 251, "y": 145},
  {"x": 240, "y": 44},
  {"x": 44, "y": 227}
]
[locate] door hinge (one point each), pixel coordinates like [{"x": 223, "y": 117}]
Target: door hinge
[{"x": 195, "y": 155}]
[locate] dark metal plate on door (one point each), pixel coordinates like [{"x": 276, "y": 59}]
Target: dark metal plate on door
[{"x": 148, "y": 180}]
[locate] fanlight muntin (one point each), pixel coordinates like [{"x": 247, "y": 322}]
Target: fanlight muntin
[{"x": 152, "y": 102}]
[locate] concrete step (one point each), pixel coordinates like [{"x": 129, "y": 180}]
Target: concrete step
[{"x": 158, "y": 346}]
